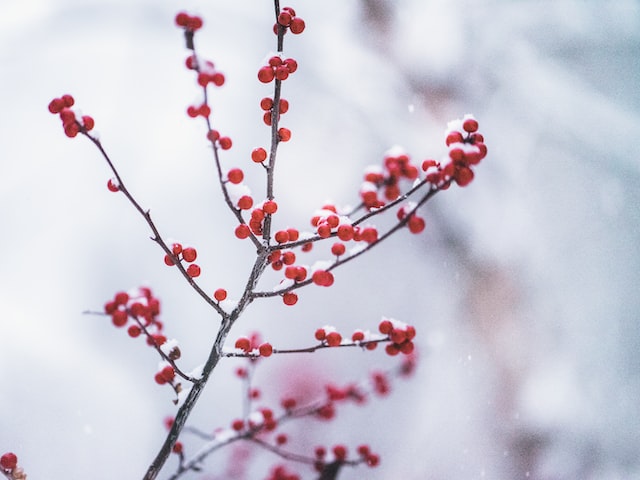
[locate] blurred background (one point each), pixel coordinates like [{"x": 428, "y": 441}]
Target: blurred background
[{"x": 523, "y": 288}]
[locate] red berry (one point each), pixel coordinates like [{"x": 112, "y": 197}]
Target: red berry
[
  {"x": 363, "y": 450},
  {"x": 193, "y": 270},
  {"x": 190, "y": 62},
  {"x": 242, "y": 231},
  {"x": 88, "y": 122},
  {"x": 453, "y": 137},
  {"x": 265, "y": 349},
  {"x": 284, "y": 134},
  {"x": 134, "y": 331},
  {"x": 281, "y": 236},
  {"x": 357, "y": 336},
  {"x": 157, "y": 340},
  {"x": 369, "y": 234},
  {"x": 110, "y": 307},
  {"x": 324, "y": 230},
  {"x": 322, "y": 278},
  {"x": 290, "y": 298},
  {"x": 193, "y": 23},
  {"x": 9, "y": 461},
  {"x": 56, "y": 105},
  {"x": 243, "y": 343},
  {"x": 181, "y": 19},
  {"x": 177, "y": 448},
  {"x": 213, "y": 135},
  {"x": 218, "y": 79},
  {"x": 259, "y": 155},
  {"x": 270, "y": 207},
  {"x": 345, "y": 232},
  {"x": 333, "y": 339},
  {"x": 119, "y": 318},
  {"x": 71, "y": 130},
  {"x": 112, "y": 185},
  {"x": 416, "y": 224},
  {"x": 121, "y": 298},
  {"x": 463, "y": 176},
  {"x": 220, "y": 294},
  {"x": 407, "y": 347},
  {"x": 373, "y": 460},
  {"x": 470, "y": 125},
  {"x": 297, "y": 25},
  {"x": 266, "y": 74},
  {"x": 291, "y": 272},
  {"x": 291, "y": 64},
  {"x": 320, "y": 334},
  {"x": 266, "y": 104},
  {"x": 392, "y": 349},
  {"x": 192, "y": 111},
  {"x": 410, "y": 332},
  {"x": 257, "y": 214},
  {"x": 68, "y": 100},
  {"x": 237, "y": 425},
  {"x": 456, "y": 154},
  {"x": 293, "y": 234},
  {"x": 340, "y": 452},
  {"x": 284, "y": 105},
  {"x": 225, "y": 143},
  {"x": 333, "y": 221},
  {"x": 284, "y": 18},
  {"x": 288, "y": 257},
  {"x": 235, "y": 175},
  {"x": 385, "y": 327},
  {"x": 189, "y": 254},
  {"x": 67, "y": 116},
  {"x": 282, "y": 72},
  {"x": 204, "y": 110},
  {"x": 245, "y": 202},
  {"x": 167, "y": 373}
]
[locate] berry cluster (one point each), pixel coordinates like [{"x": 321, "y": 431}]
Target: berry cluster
[
  {"x": 253, "y": 346},
  {"x": 263, "y": 425},
  {"x": 186, "y": 254},
  {"x": 385, "y": 180},
  {"x": 466, "y": 149},
  {"x": 140, "y": 310},
  {"x": 400, "y": 334},
  {"x": 207, "y": 73},
  {"x": 189, "y": 22},
  {"x": 266, "y": 105},
  {"x": 329, "y": 336},
  {"x": 287, "y": 19},
  {"x": 277, "y": 68},
  {"x": 337, "y": 456},
  {"x": 71, "y": 123},
  {"x": 9, "y": 466}
]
